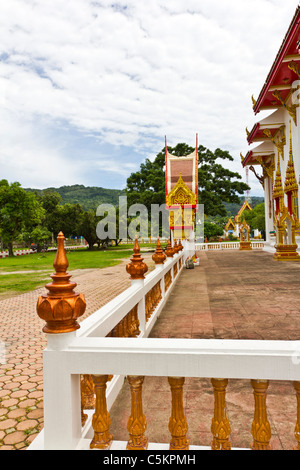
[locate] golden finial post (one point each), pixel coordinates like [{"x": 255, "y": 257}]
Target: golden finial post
[
  {"x": 159, "y": 256},
  {"x": 61, "y": 307},
  {"x": 169, "y": 250},
  {"x": 136, "y": 268}
]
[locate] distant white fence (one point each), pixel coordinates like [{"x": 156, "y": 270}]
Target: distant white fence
[{"x": 227, "y": 246}]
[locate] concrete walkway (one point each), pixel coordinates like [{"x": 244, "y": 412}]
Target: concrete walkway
[{"x": 231, "y": 295}]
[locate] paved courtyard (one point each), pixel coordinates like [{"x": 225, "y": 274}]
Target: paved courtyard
[{"x": 232, "y": 295}]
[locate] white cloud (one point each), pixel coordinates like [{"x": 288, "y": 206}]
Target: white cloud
[{"x": 126, "y": 75}]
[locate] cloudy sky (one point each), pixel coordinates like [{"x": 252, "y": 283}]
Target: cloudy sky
[{"x": 89, "y": 89}]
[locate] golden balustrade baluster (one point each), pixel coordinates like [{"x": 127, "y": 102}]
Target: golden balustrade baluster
[
  {"x": 220, "y": 426},
  {"x": 168, "y": 280},
  {"x": 261, "y": 429},
  {"x": 158, "y": 293},
  {"x": 137, "y": 420},
  {"x": 297, "y": 427},
  {"x": 134, "y": 322},
  {"x": 175, "y": 270},
  {"x": 178, "y": 426},
  {"x": 84, "y": 416},
  {"x": 88, "y": 390},
  {"x": 101, "y": 420},
  {"x": 126, "y": 326}
]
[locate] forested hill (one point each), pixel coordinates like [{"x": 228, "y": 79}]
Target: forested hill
[{"x": 89, "y": 197}]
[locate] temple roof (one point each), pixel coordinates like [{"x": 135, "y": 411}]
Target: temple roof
[
  {"x": 244, "y": 207},
  {"x": 267, "y": 128},
  {"x": 262, "y": 151},
  {"x": 284, "y": 71}
]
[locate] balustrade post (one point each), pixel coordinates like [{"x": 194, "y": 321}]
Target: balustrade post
[
  {"x": 169, "y": 251},
  {"x": 220, "y": 426},
  {"x": 60, "y": 309},
  {"x": 137, "y": 270},
  {"x": 178, "y": 426},
  {"x": 101, "y": 420},
  {"x": 137, "y": 420},
  {"x": 159, "y": 256},
  {"x": 297, "y": 427},
  {"x": 261, "y": 429}
]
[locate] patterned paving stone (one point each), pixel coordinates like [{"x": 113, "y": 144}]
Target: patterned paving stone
[{"x": 233, "y": 295}]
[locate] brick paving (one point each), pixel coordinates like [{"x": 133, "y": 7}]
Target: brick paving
[{"x": 233, "y": 295}]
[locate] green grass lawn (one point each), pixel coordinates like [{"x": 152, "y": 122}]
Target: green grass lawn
[
  {"x": 78, "y": 259},
  {"x": 19, "y": 281}
]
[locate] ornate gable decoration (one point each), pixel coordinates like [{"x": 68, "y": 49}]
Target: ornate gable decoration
[
  {"x": 181, "y": 195},
  {"x": 244, "y": 207},
  {"x": 230, "y": 225}
]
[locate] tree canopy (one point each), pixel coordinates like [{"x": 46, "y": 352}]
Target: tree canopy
[
  {"x": 20, "y": 212},
  {"x": 256, "y": 218},
  {"x": 216, "y": 183}
]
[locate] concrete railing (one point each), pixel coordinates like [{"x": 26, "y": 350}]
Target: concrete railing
[
  {"x": 133, "y": 313},
  {"x": 227, "y": 246},
  {"x": 113, "y": 343},
  {"x": 66, "y": 358}
]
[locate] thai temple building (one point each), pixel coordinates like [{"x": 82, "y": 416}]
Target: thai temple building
[
  {"x": 275, "y": 160},
  {"x": 233, "y": 225}
]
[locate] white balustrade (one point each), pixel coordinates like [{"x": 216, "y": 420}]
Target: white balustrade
[{"x": 227, "y": 246}]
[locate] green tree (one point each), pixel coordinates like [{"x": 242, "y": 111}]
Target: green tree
[
  {"x": 86, "y": 227},
  {"x": 212, "y": 230},
  {"x": 256, "y": 218},
  {"x": 216, "y": 183},
  {"x": 19, "y": 211}
]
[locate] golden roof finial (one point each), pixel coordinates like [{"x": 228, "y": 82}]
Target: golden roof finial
[
  {"x": 278, "y": 190},
  {"x": 290, "y": 179},
  {"x": 291, "y": 142},
  {"x": 61, "y": 307}
]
